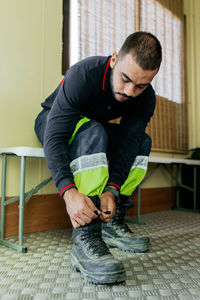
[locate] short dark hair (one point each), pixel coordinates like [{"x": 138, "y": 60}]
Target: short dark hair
[{"x": 145, "y": 48}]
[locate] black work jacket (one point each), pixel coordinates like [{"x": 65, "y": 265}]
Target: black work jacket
[{"x": 86, "y": 91}]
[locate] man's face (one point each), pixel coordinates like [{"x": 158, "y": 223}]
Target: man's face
[{"x": 128, "y": 79}]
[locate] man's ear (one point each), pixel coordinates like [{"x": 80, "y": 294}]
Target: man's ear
[{"x": 113, "y": 59}]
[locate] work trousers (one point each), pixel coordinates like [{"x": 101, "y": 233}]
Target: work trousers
[{"x": 91, "y": 147}]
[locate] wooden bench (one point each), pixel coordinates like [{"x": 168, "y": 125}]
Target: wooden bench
[{"x": 29, "y": 152}]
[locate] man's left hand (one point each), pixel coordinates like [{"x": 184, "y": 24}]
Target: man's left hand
[{"x": 107, "y": 205}]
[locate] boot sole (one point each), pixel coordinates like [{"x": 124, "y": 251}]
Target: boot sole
[
  {"x": 97, "y": 278},
  {"x": 138, "y": 248}
]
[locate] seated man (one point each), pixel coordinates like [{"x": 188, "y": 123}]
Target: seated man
[{"x": 78, "y": 140}]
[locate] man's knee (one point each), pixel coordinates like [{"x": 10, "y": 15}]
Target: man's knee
[
  {"x": 146, "y": 145},
  {"x": 40, "y": 124},
  {"x": 94, "y": 132},
  {"x": 98, "y": 131},
  {"x": 90, "y": 138}
]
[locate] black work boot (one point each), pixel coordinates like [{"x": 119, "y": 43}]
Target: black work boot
[
  {"x": 117, "y": 234},
  {"x": 91, "y": 256}
]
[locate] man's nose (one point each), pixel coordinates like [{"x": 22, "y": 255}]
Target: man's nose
[{"x": 130, "y": 90}]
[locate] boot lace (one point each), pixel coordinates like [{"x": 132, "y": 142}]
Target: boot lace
[
  {"x": 118, "y": 223},
  {"x": 94, "y": 244}
]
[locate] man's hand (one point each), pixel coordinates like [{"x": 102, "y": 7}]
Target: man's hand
[
  {"x": 107, "y": 205},
  {"x": 80, "y": 208}
]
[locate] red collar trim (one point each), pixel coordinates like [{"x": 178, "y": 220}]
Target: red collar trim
[
  {"x": 104, "y": 76},
  {"x": 62, "y": 82}
]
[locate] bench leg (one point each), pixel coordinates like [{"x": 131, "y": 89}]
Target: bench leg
[
  {"x": 137, "y": 221},
  {"x": 3, "y": 195},
  {"x": 21, "y": 201},
  {"x": 177, "y": 185},
  {"x": 195, "y": 189},
  {"x": 16, "y": 246}
]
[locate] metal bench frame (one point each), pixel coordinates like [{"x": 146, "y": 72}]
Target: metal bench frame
[
  {"x": 29, "y": 152},
  {"x": 167, "y": 163},
  {"x": 24, "y": 153}
]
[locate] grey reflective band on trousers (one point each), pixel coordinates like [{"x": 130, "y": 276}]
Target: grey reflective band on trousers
[
  {"x": 88, "y": 162},
  {"x": 140, "y": 162}
]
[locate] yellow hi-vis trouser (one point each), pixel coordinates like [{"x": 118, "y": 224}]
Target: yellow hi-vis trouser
[{"x": 89, "y": 165}]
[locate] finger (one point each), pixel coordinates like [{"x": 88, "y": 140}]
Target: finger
[
  {"x": 86, "y": 219},
  {"x": 104, "y": 204},
  {"x": 111, "y": 207},
  {"x": 75, "y": 224},
  {"x": 104, "y": 218},
  {"x": 91, "y": 209},
  {"x": 80, "y": 221},
  {"x": 108, "y": 208}
]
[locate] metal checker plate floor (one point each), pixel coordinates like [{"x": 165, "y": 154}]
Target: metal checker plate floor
[{"x": 170, "y": 270}]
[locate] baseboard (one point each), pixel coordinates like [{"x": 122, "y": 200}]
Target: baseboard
[
  {"x": 45, "y": 212},
  {"x": 154, "y": 199},
  {"x": 42, "y": 212}
]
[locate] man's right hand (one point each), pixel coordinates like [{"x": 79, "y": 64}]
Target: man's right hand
[{"x": 80, "y": 208}]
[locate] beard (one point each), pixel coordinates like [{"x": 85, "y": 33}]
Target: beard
[{"x": 113, "y": 89}]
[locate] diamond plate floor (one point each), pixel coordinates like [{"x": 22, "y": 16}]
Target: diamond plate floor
[{"x": 170, "y": 270}]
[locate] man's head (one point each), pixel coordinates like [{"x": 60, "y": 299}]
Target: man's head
[{"x": 135, "y": 66}]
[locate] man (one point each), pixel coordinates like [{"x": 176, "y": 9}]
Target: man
[{"x": 78, "y": 140}]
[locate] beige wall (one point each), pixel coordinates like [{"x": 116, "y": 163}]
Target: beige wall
[{"x": 30, "y": 68}]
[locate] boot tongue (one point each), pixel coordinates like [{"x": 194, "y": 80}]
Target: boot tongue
[
  {"x": 120, "y": 213},
  {"x": 122, "y": 207}
]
